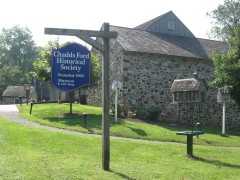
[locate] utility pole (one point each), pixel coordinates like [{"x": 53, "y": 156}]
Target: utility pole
[
  {"x": 105, "y": 102},
  {"x": 86, "y": 35}
]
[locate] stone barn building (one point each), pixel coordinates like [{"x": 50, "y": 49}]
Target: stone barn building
[{"x": 148, "y": 58}]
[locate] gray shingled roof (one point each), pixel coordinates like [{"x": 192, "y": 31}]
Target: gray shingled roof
[
  {"x": 15, "y": 91},
  {"x": 145, "y": 25},
  {"x": 155, "y": 23},
  {"x": 190, "y": 84},
  {"x": 137, "y": 40}
]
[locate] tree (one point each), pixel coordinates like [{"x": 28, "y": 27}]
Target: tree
[
  {"x": 17, "y": 53},
  {"x": 42, "y": 66},
  {"x": 96, "y": 69},
  {"x": 226, "y": 17},
  {"x": 10, "y": 75},
  {"x": 227, "y": 66},
  {"x": 17, "y": 48}
]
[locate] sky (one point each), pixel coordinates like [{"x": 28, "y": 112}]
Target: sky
[{"x": 91, "y": 14}]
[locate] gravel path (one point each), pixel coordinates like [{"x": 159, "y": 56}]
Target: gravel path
[{"x": 11, "y": 113}]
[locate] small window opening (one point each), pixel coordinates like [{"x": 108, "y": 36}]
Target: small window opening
[
  {"x": 203, "y": 97},
  {"x": 171, "y": 25}
]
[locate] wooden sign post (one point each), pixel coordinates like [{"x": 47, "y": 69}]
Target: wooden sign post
[{"x": 86, "y": 35}]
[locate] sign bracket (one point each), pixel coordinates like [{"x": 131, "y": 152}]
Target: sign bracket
[
  {"x": 86, "y": 35},
  {"x": 92, "y": 42}
]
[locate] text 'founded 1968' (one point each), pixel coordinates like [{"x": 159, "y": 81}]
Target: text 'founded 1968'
[{"x": 71, "y": 67}]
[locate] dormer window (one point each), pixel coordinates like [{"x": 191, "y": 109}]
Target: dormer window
[{"x": 171, "y": 25}]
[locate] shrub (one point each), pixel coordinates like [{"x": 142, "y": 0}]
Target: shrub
[
  {"x": 140, "y": 113},
  {"x": 153, "y": 113},
  {"x": 121, "y": 110},
  {"x": 33, "y": 100},
  {"x": 131, "y": 114}
]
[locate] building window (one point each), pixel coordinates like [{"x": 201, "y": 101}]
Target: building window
[
  {"x": 171, "y": 25},
  {"x": 184, "y": 96},
  {"x": 180, "y": 96},
  {"x": 193, "y": 96},
  {"x": 203, "y": 97},
  {"x": 176, "y": 97},
  {"x": 189, "y": 98}
]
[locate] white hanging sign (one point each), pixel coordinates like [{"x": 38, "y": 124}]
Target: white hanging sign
[{"x": 116, "y": 86}]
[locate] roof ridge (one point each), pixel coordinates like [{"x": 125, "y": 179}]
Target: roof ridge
[
  {"x": 205, "y": 39},
  {"x": 167, "y": 34},
  {"x": 146, "y": 24},
  {"x": 139, "y": 40}
]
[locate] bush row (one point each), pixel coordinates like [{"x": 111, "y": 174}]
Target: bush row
[{"x": 151, "y": 113}]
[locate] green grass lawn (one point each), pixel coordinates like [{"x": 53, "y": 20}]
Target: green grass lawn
[
  {"x": 30, "y": 153},
  {"x": 57, "y": 115}
]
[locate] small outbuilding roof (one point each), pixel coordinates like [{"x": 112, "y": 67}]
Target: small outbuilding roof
[
  {"x": 16, "y": 91},
  {"x": 184, "y": 85}
]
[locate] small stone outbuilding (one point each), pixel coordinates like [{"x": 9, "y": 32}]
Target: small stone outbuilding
[
  {"x": 191, "y": 90},
  {"x": 12, "y": 93}
]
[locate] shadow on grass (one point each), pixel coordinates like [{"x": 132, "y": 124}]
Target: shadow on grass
[
  {"x": 120, "y": 174},
  {"x": 217, "y": 163},
  {"x": 138, "y": 131},
  {"x": 205, "y": 129},
  {"x": 93, "y": 121},
  {"x": 206, "y": 141},
  {"x": 74, "y": 119}
]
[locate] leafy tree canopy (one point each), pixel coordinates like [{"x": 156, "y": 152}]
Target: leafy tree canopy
[
  {"x": 42, "y": 66},
  {"x": 17, "y": 53},
  {"x": 226, "y": 17},
  {"x": 227, "y": 66},
  {"x": 17, "y": 48},
  {"x": 10, "y": 75}
]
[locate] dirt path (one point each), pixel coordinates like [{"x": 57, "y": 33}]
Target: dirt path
[{"x": 11, "y": 113}]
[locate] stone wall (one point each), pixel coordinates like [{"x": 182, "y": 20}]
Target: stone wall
[
  {"x": 147, "y": 79},
  {"x": 94, "y": 94}
]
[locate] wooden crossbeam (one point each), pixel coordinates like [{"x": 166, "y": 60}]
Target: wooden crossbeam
[{"x": 86, "y": 35}]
